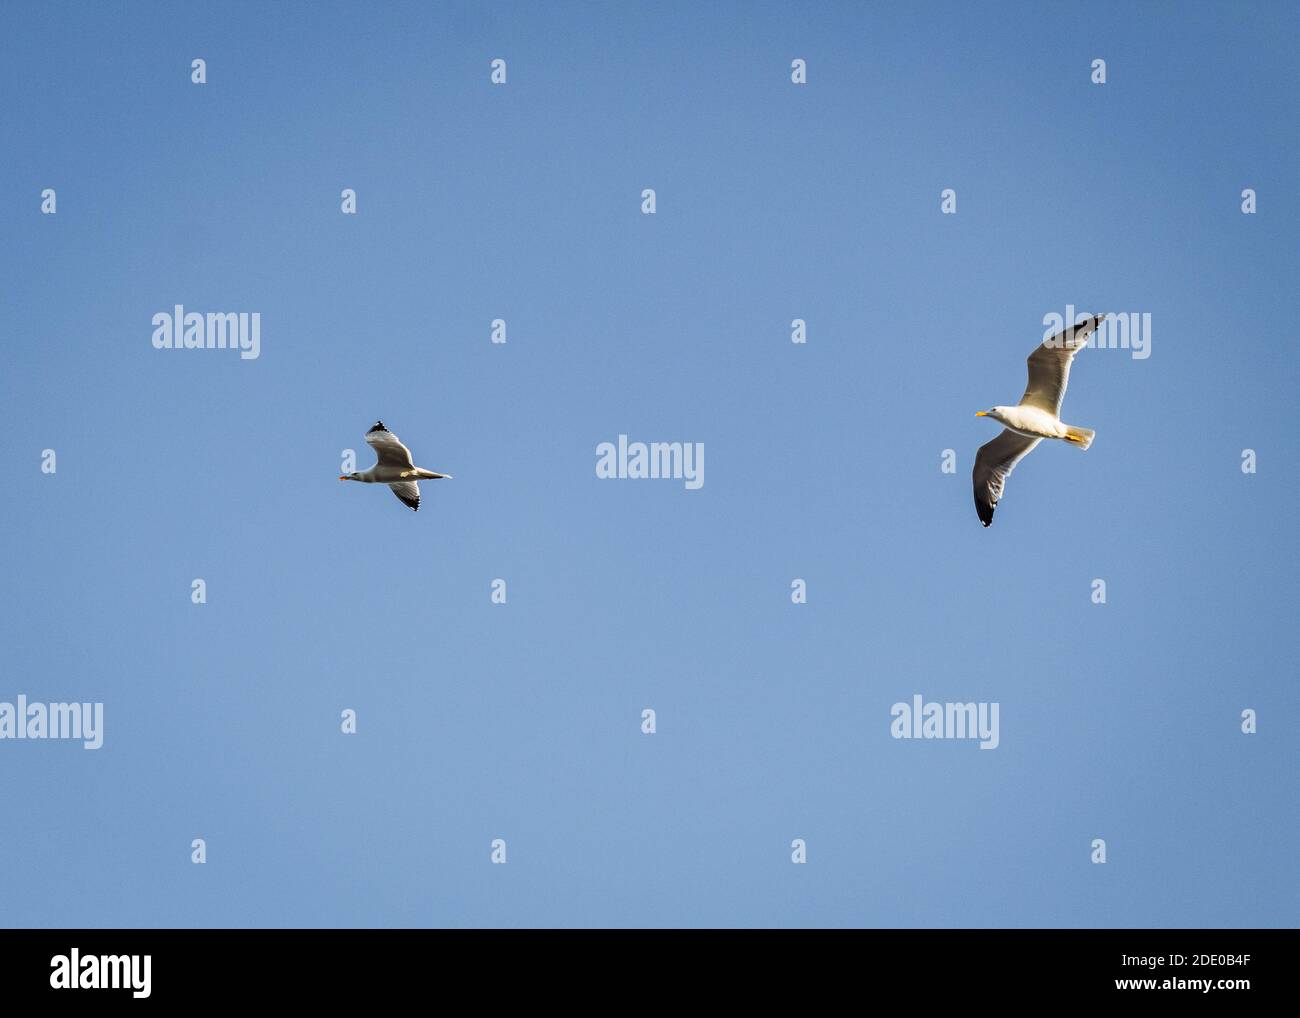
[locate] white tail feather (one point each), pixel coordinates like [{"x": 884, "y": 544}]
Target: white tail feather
[{"x": 1081, "y": 437}]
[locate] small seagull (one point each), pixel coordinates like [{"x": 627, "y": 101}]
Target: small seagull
[
  {"x": 394, "y": 467},
  {"x": 1037, "y": 417}
]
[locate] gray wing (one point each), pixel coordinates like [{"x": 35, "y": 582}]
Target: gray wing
[
  {"x": 1049, "y": 366},
  {"x": 408, "y": 493},
  {"x": 993, "y": 465},
  {"x": 390, "y": 451}
]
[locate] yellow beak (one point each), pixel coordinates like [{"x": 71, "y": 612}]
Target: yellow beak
[{"x": 981, "y": 413}]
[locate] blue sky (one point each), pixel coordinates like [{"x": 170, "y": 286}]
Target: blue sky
[{"x": 522, "y": 721}]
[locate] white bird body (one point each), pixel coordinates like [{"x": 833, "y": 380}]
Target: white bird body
[
  {"x": 394, "y": 467},
  {"x": 1038, "y": 416},
  {"x": 383, "y": 473},
  {"x": 1030, "y": 421}
]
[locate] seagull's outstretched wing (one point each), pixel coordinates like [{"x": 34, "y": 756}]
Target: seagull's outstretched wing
[
  {"x": 408, "y": 493},
  {"x": 1049, "y": 366},
  {"x": 993, "y": 465},
  {"x": 390, "y": 451}
]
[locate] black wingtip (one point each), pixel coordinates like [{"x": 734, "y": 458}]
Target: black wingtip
[{"x": 379, "y": 426}]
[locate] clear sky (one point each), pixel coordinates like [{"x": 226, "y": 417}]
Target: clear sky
[{"x": 775, "y": 201}]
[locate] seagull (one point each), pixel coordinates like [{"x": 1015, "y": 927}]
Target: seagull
[
  {"x": 1038, "y": 416},
  {"x": 394, "y": 467}
]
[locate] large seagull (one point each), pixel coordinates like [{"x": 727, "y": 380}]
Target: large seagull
[
  {"x": 1038, "y": 416},
  {"x": 394, "y": 467}
]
